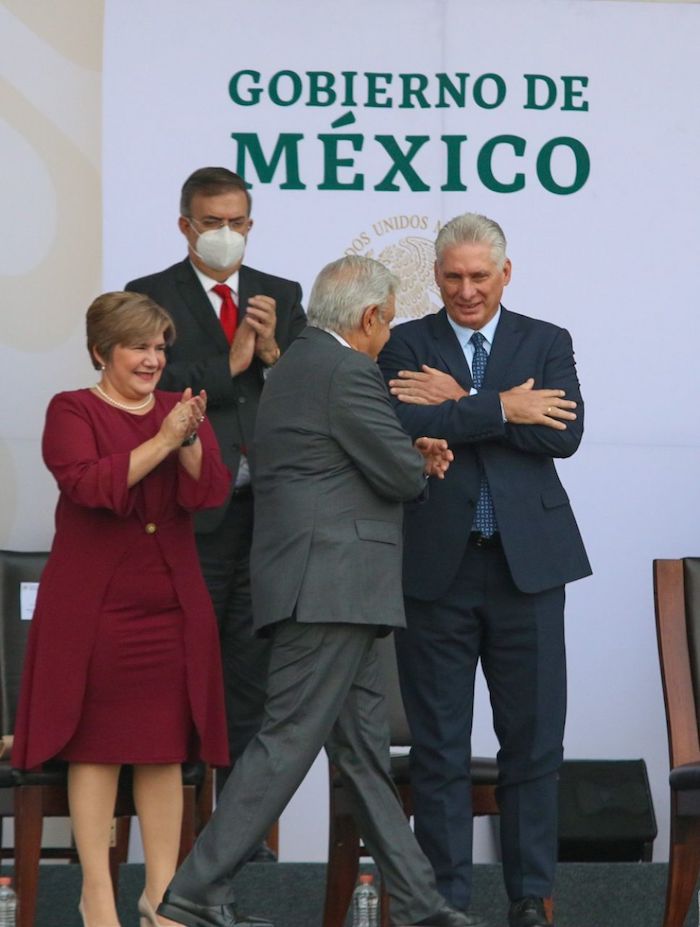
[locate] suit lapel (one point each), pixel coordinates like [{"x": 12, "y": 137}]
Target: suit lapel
[
  {"x": 506, "y": 343},
  {"x": 198, "y": 304},
  {"x": 450, "y": 349}
]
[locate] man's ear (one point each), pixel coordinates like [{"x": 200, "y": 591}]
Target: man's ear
[
  {"x": 507, "y": 271},
  {"x": 369, "y": 318}
]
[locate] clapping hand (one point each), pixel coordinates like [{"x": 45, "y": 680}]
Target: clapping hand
[
  {"x": 184, "y": 418},
  {"x": 261, "y": 315},
  {"x": 242, "y": 348}
]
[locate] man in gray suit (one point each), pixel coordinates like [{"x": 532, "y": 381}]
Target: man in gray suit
[{"x": 332, "y": 468}]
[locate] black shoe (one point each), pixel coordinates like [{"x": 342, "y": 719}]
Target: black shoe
[
  {"x": 263, "y": 854},
  {"x": 190, "y": 914},
  {"x": 449, "y": 917},
  {"x": 527, "y": 912}
]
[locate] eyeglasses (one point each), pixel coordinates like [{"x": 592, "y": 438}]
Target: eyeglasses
[{"x": 211, "y": 223}]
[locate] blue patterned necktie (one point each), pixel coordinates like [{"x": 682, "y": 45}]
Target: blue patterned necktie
[{"x": 485, "y": 516}]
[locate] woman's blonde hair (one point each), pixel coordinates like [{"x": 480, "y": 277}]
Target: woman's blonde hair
[{"x": 126, "y": 319}]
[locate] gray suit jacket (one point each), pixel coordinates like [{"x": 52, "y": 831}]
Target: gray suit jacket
[{"x": 332, "y": 467}]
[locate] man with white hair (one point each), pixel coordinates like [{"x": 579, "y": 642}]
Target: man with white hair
[
  {"x": 486, "y": 560},
  {"x": 332, "y": 467}
]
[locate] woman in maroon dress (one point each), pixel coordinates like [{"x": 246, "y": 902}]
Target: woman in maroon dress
[{"x": 123, "y": 659}]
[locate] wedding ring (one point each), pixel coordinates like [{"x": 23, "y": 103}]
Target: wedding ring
[{"x": 549, "y": 409}]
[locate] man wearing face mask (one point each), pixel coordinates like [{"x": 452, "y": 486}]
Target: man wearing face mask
[{"x": 232, "y": 324}]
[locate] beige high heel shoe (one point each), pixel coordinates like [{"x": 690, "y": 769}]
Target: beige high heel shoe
[
  {"x": 149, "y": 918},
  {"x": 81, "y": 912}
]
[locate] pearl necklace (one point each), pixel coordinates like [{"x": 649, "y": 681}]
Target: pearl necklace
[{"x": 123, "y": 405}]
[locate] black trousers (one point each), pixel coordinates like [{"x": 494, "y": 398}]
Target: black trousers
[
  {"x": 224, "y": 555},
  {"x": 519, "y": 639}
]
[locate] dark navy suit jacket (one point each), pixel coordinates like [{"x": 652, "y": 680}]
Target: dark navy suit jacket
[
  {"x": 199, "y": 355},
  {"x": 541, "y": 540}
]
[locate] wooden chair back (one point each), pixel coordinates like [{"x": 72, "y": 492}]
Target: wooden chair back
[{"x": 677, "y": 605}]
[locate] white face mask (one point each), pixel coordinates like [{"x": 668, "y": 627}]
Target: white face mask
[{"x": 220, "y": 248}]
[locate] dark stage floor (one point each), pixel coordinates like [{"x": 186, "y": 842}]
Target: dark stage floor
[{"x": 587, "y": 894}]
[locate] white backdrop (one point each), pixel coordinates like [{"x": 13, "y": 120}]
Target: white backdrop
[{"x": 614, "y": 261}]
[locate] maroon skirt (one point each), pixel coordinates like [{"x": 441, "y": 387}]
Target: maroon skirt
[{"x": 136, "y": 706}]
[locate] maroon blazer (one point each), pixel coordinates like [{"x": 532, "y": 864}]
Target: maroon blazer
[{"x": 86, "y": 446}]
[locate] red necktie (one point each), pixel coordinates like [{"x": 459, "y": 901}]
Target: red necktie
[{"x": 229, "y": 310}]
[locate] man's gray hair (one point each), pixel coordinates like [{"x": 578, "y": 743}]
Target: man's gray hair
[
  {"x": 471, "y": 228},
  {"x": 343, "y": 290}
]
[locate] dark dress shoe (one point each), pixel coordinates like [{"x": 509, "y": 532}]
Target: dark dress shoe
[
  {"x": 528, "y": 912},
  {"x": 450, "y": 917},
  {"x": 190, "y": 914}
]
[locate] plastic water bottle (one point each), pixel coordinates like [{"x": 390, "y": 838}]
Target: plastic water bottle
[
  {"x": 8, "y": 903},
  {"x": 365, "y": 904}
]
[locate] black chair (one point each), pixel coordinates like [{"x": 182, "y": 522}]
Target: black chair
[
  {"x": 677, "y": 601},
  {"x": 42, "y": 792},
  {"x": 15, "y": 569},
  {"x": 345, "y": 847},
  {"x": 606, "y": 812}
]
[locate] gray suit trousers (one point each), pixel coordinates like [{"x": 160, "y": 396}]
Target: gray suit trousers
[{"x": 323, "y": 690}]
